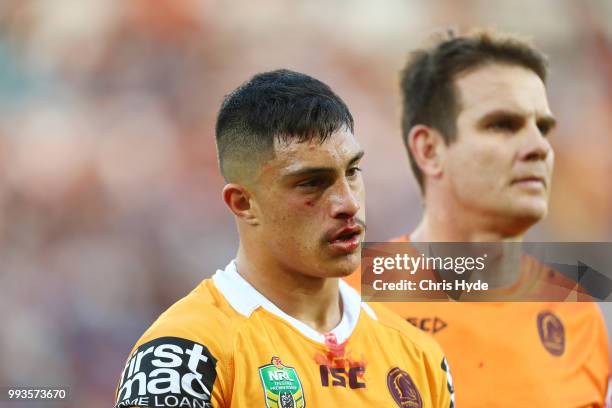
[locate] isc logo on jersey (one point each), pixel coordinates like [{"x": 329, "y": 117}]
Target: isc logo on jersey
[{"x": 168, "y": 372}]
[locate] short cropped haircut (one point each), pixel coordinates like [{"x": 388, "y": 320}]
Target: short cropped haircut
[
  {"x": 278, "y": 105},
  {"x": 427, "y": 82}
]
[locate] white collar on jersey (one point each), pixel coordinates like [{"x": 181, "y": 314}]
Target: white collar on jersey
[{"x": 245, "y": 299}]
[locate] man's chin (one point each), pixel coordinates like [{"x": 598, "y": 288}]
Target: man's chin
[
  {"x": 524, "y": 216},
  {"x": 345, "y": 265},
  {"x": 534, "y": 210}
]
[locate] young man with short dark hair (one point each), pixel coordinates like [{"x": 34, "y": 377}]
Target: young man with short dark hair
[{"x": 277, "y": 327}]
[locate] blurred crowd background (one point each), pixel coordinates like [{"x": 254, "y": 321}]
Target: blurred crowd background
[{"x": 110, "y": 205}]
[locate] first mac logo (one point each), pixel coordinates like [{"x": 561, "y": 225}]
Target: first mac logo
[{"x": 168, "y": 372}]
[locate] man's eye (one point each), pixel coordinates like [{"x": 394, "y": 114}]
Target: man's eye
[
  {"x": 353, "y": 171},
  {"x": 545, "y": 128},
  {"x": 503, "y": 125},
  {"x": 310, "y": 183}
]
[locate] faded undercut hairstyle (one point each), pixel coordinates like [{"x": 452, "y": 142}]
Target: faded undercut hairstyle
[
  {"x": 279, "y": 105},
  {"x": 427, "y": 85}
]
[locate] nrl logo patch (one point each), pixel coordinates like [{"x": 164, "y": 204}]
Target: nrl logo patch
[{"x": 282, "y": 386}]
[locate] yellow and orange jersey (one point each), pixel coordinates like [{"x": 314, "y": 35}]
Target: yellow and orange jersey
[
  {"x": 226, "y": 345},
  {"x": 526, "y": 354},
  {"x": 519, "y": 354}
]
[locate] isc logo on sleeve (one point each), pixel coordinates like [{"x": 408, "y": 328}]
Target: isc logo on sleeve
[{"x": 168, "y": 372}]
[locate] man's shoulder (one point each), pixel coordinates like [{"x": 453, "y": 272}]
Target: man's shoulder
[
  {"x": 181, "y": 350},
  {"x": 401, "y": 238},
  {"x": 417, "y": 337},
  {"x": 198, "y": 317}
]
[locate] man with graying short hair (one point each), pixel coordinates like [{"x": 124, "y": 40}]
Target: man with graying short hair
[
  {"x": 277, "y": 327},
  {"x": 477, "y": 127}
]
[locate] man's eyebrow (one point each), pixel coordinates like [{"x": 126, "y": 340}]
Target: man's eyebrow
[
  {"x": 501, "y": 114},
  {"x": 309, "y": 171},
  {"x": 357, "y": 157},
  {"x": 546, "y": 119}
]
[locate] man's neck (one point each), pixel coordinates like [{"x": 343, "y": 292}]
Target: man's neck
[
  {"x": 314, "y": 301},
  {"x": 443, "y": 225},
  {"x": 446, "y": 228}
]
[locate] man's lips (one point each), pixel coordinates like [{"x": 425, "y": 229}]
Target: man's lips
[
  {"x": 346, "y": 240},
  {"x": 346, "y": 233},
  {"x": 530, "y": 180}
]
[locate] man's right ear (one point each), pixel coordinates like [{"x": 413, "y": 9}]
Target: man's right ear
[
  {"x": 427, "y": 147},
  {"x": 239, "y": 201}
]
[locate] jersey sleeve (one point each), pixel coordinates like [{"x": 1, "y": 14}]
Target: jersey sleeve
[
  {"x": 172, "y": 371},
  {"x": 439, "y": 376},
  {"x": 443, "y": 390},
  {"x": 184, "y": 359},
  {"x": 600, "y": 361}
]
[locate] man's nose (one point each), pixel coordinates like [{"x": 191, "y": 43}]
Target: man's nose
[
  {"x": 345, "y": 201},
  {"x": 537, "y": 146}
]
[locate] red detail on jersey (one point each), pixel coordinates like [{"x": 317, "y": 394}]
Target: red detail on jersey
[
  {"x": 277, "y": 362},
  {"x": 338, "y": 359}
]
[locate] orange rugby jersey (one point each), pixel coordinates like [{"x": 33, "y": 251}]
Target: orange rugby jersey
[
  {"x": 226, "y": 345},
  {"x": 518, "y": 354}
]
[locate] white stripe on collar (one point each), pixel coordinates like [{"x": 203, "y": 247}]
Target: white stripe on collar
[{"x": 245, "y": 299}]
